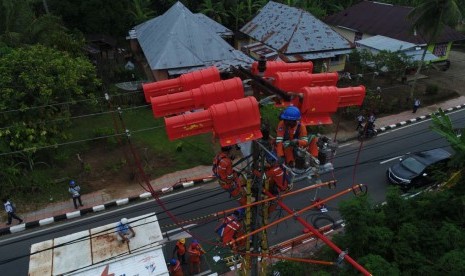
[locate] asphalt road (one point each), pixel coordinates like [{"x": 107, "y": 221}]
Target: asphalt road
[{"x": 375, "y": 157}]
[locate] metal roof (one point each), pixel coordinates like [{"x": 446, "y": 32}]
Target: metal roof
[
  {"x": 177, "y": 39},
  {"x": 291, "y": 30},
  {"x": 213, "y": 25},
  {"x": 379, "y": 43},
  {"x": 385, "y": 19}
]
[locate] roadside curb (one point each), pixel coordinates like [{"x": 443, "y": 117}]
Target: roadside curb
[
  {"x": 417, "y": 119},
  {"x": 102, "y": 207}
]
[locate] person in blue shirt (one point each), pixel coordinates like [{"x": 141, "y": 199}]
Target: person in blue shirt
[{"x": 124, "y": 231}]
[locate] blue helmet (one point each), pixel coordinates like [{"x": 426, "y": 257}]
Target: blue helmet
[
  {"x": 291, "y": 113},
  {"x": 72, "y": 183},
  {"x": 173, "y": 262}
]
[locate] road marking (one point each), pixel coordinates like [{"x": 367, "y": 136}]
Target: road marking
[
  {"x": 180, "y": 229},
  {"x": 79, "y": 221},
  {"x": 391, "y": 159}
]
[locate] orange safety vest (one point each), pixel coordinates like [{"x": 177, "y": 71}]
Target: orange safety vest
[
  {"x": 176, "y": 270},
  {"x": 285, "y": 134}
]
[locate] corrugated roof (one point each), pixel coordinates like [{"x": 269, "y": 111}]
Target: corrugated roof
[
  {"x": 379, "y": 43},
  {"x": 215, "y": 26},
  {"x": 177, "y": 39},
  {"x": 291, "y": 30},
  {"x": 384, "y": 19}
]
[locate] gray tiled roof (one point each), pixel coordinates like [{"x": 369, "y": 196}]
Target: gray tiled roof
[
  {"x": 291, "y": 30},
  {"x": 177, "y": 39}
]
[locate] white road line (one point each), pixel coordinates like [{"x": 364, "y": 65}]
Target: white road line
[
  {"x": 180, "y": 229},
  {"x": 391, "y": 159}
]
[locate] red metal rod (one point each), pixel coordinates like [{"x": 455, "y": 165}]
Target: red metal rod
[
  {"x": 292, "y": 215},
  {"x": 323, "y": 237},
  {"x": 289, "y": 258},
  {"x": 328, "y": 183}
]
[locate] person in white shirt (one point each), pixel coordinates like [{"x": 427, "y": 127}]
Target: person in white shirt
[
  {"x": 75, "y": 192},
  {"x": 10, "y": 210}
]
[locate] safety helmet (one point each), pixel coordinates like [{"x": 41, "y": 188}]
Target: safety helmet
[
  {"x": 183, "y": 240},
  {"x": 72, "y": 183},
  {"x": 195, "y": 242},
  {"x": 173, "y": 262},
  {"x": 291, "y": 113},
  {"x": 124, "y": 221}
]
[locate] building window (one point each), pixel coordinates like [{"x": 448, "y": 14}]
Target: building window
[
  {"x": 358, "y": 36},
  {"x": 440, "y": 50}
]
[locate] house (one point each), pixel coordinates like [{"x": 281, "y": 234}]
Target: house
[
  {"x": 280, "y": 32},
  {"x": 178, "y": 42},
  {"x": 367, "y": 19},
  {"x": 378, "y": 43}
]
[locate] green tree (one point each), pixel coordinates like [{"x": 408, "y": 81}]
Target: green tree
[
  {"x": 238, "y": 14},
  {"x": 214, "y": 10},
  {"x": 34, "y": 81},
  {"x": 141, "y": 11},
  {"x": 429, "y": 18},
  {"x": 456, "y": 138}
]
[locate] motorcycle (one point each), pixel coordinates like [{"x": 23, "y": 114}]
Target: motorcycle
[{"x": 367, "y": 133}]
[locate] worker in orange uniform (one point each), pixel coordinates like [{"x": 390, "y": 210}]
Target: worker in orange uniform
[
  {"x": 228, "y": 179},
  {"x": 230, "y": 228},
  {"x": 290, "y": 134},
  {"x": 195, "y": 252},
  {"x": 180, "y": 250},
  {"x": 278, "y": 180},
  {"x": 175, "y": 268}
]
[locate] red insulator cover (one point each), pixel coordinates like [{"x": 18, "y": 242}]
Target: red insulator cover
[
  {"x": 273, "y": 67},
  {"x": 182, "y": 83},
  {"x": 198, "y": 98},
  {"x": 232, "y": 122},
  {"x": 320, "y": 102},
  {"x": 293, "y": 81}
]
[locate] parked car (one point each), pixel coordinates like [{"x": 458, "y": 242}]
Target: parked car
[{"x": 415, "y": 169}]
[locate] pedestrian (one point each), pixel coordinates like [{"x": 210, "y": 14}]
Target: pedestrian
[
  {"x": 290, "y": 134},
  {"x": 416, "y": 105},
  {"x": 180, "y": 250},
  {"x": 124, "y": 231},
  {"x": 175, "y": 268},
  {"x": 228, "y": 179},
  {"x": 360, "y": 120},
  {"x": 10, "y": 209},
  {"x": 195, "y": 252},
  {"x": 75, "y": 192}
]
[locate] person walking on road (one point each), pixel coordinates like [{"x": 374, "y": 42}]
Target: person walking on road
[
  {"x": 75, "y": 192},
  {"x": 416, "y": 105},
  {"x": 11, "y": 211},
  {"x": 180, "y": 250}
]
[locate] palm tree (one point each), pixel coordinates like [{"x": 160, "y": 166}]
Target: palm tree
[
  {"x": 456, "y": 138},
  {"x": 430, "y": 17},
  {"x": 214, "y": 10},
  {"x": 140, "y": 11}
]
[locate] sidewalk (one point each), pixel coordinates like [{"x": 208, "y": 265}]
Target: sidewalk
[{"x": 100, "y": 200}]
